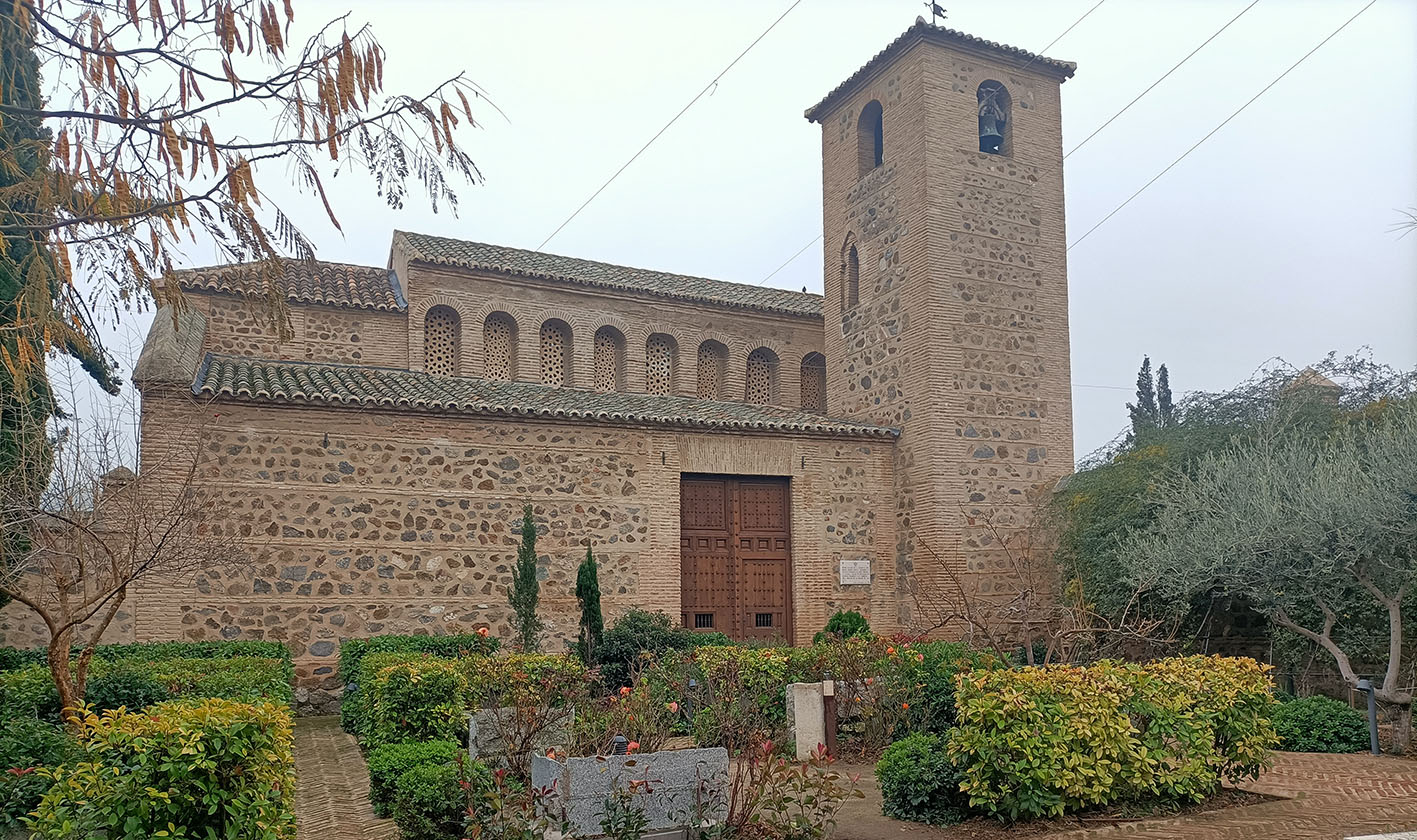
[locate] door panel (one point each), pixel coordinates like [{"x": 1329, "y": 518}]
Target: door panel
[{"x": 736, "y": 556}]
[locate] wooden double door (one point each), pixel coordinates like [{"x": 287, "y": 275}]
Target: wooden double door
[{"x": 735, "y": 556}]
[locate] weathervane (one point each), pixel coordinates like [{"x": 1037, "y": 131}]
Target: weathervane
[{"x": 937, "y": 12}]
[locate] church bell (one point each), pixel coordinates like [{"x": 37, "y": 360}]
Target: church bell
[{"x": 991, "y": 136}]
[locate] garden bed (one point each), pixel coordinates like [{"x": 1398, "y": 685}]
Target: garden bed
[{"x": 862, "y": 819}]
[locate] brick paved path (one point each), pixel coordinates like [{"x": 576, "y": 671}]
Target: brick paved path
[
  {"x": 1328, "y": 797},
  {"x": 332, "y": 786}
]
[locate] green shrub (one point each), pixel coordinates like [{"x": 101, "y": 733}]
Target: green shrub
[
  {"x": 237, "y": 678},
  {"x": 29, "y": 692},
  {"x": 26, "y": 745},
  {"x": 125, "y": 686},
  {"x": 356, "y": 706},
  {"x": 638, "y": 634},
  {"x": 353, "y": 651},
  {"x": 524, "y": 679},
  {"x": 1320, "y": 724},
  {"x": 206, "y": 768},
  {"x": 921, "y": 677},
  {"x": 919, "y": 783},
  {"x": 1036, "y": 742},
  {"x": 422, "y": 700},
  {"x": 390, "y": 761},
  {"x": 156, "y": 651},
  {"x": 431, "y": 803},
  {"x": 843, "y": 625}
]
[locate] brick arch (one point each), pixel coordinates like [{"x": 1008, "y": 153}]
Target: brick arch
[
  {"x": 556, "y": 347},
  {"x": 763, "y": 374},
  {"x": 500, "y": 362},
  {"x": 849, "y": 272},
  {"x": 417, "y": 319}
]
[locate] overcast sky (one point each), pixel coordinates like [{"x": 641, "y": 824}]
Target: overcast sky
[{"x": 1272, "y": 239}]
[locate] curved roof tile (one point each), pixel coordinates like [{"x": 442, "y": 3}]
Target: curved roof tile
[
  {"x": 240, "y": 377},
  {"x": 515, "y": 262},
  {"x": 304, "y": 281}
]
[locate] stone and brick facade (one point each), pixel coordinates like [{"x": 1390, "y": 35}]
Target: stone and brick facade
[{"x": 377, "y": 454}]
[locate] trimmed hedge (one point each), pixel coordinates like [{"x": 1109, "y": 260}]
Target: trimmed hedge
[
  {"x": 1320, "y": 724},
  {"x": 355, "y": 706},
  {"x": 420, "y": 700},
  {"x": 30, "y": 692},
  {"x": 524, "y": 679},
  {"x": 12, "y": 659},
  {"x": 918, "y": 782},
  {"x": 1038, "y": 742},
  {"x": 26, "y": 745},
  {"x": 390, "y": 761},
  {"x": 353, "y": 651},
  {"x": 431, "y": 800},
  {"x": 207, "y": 768}
]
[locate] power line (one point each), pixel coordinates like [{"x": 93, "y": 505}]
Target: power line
[
  {"x": 707, "y": 88},
  {"x": 1223, "y": 123},
  {"x": 1036, "y": 56},
  {"x": 1163, "y": 78}
]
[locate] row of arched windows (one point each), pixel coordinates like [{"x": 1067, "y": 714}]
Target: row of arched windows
[{"x": 442, "y": 356}]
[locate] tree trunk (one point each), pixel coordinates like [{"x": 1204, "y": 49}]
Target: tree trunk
[
  {"x": 1401, "y": 727},
  {"x": 61, "y": 669}
]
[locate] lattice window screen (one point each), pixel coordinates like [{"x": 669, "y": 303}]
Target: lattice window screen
[
  {"x": 659, "y": 364},
  {"x": 555, "y": 349},
  {"x": 711, "y": 364},
  {"x": 760, "y": 375},
  {"x": 442, "y": 350},
  {"x": 498, "y": 349},
  {"x": 607, "y": 361},
  {"x": 814, "y": 383}
]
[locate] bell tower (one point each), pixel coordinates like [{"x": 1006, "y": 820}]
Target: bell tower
[{"x": 946, "y": 310}]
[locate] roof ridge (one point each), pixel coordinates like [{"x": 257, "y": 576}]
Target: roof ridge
[{"x": 488, "y": 256}]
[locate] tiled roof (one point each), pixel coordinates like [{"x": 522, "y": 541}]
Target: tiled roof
[
  {"x": 349, "y": 385},
  {"x": 924, "y": 31},
  {"x": 516, "y": 262},
  {"x": 328, "y": 283}
]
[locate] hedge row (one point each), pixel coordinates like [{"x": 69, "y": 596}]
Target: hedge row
[
  {"x": 353, "y": 651},
  {"x": 30, "y": 692},
  {"x": 185, "y": 768},
  {"x": 1038, "y": 742},
  {"x": 12, "y": 659}
]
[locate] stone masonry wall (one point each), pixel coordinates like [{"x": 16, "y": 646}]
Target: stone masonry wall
[{"x": 407, "y": 523}]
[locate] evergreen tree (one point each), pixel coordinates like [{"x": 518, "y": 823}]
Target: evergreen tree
[
  {"x": 525, "y": 591},
  {"x": 1144, "y": 412},
  {"x": 1164, "y": 406},
  {"x": 592, "y": 622}
]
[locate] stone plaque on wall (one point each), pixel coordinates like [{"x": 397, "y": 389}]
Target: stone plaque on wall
[{"x": 855, "y": 572}]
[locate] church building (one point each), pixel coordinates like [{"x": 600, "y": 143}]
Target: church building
[{"x": 746, "y": 459}]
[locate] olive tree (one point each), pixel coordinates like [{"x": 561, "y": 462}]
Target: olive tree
[{"x": 1314, "y": 531}]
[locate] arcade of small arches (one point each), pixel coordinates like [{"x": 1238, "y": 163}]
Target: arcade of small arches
[{"x": 443, "y": 356}]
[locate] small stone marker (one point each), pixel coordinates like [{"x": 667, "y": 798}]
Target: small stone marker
[{"x": 808, "y": 717}]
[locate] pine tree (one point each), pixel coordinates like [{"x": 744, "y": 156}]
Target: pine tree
[
  {"x": 1143, "y": 412},
  {"x": 525, "y": 591},
  {"x": 592, "y": 622},
  {"x": 1163, "y": 397}
]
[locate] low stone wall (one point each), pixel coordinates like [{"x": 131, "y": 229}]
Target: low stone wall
[{"x": 684, "y": 786}]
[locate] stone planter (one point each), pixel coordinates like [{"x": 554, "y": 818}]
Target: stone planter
[
  {"x": 678, "y": 781},
  {"x": 488, "y": 729}
]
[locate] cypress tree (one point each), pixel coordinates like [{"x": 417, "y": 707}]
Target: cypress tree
[
  {"x": 592, "y": 622},
  {"x": 1143, "y": 412},
  {"x": 525, "y": 591},
  {"x": 1163, "y": 397}
]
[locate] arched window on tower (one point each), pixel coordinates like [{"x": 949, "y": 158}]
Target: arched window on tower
[
  {"x": 713, "y": 358},
  {"x": 850, "y": 275},
  {"x": 870, "y": 139},
  {"x": 760, "y": 386},
  {"x": 609, "y": 359},
  {"x": 555, "y": 353},
  {"x": 499, "y": 347},
  {"x": 442, "y": 342},
  {"x": 995, "y": 119},
  {"x": 814, "y": 383},
  {"x": 659, "y": 364}
]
